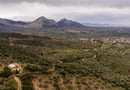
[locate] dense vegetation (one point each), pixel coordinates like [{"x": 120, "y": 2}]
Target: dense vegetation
[{"x": 92, "y": 65}]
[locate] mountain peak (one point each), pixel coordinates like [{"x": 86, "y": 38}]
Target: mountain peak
[
  {"x": 64, "y": 19},
  {"x": 43, "y": 22},
  {"x": 69, "y": 23},
  {"x": 42, "y": 18}
]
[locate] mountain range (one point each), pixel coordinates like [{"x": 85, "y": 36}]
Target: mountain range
[{"x": 39, "y": 23}]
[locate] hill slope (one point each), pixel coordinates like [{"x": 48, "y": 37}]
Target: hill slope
[{"x": 54, "y": 63}]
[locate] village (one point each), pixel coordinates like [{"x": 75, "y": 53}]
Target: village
[{"x": 107, "y": 40}]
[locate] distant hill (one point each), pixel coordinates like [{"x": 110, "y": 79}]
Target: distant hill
[
  {"x": 11, "y": 25},
  {"x": 68, "y": 23},
  {"x": 11, "y": 22},
  {"x": 40, "y": 23}
]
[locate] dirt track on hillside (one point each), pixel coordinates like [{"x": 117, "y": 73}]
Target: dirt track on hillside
[{"x": 18, "y": 83}]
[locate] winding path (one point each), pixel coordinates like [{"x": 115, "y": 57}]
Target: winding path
[{"x": 19, "y": 84}]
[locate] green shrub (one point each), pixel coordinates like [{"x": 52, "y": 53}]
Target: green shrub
[{"x": 6, "y": 72}]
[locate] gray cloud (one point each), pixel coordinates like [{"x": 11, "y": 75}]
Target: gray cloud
[
  {"x": 104, "y": 3},
  {"x": 122, "y": 20},
  {"x": 85, "y": 11}
]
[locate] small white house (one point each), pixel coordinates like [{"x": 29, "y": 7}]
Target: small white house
[{"x": 15, "y": 66}]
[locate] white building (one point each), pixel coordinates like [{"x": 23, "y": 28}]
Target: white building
[{"x": 15, "y": 66}]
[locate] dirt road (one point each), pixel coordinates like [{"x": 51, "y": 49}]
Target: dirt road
[{"x": 18, "y": 83}]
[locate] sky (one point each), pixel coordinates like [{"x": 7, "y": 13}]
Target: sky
[{"x": 113, "y": 12}]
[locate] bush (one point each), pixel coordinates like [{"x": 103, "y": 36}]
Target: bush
[
  {"x": 6, "y": 72},
  {"x": 27, "y": 81}
]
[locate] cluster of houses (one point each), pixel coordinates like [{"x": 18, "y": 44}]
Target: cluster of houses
[
  {"x": 124, "y": 40},
  {"x": 105, "y": 40}
]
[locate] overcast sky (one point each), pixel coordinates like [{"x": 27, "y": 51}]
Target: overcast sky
[{"x": 115, "y": 12}]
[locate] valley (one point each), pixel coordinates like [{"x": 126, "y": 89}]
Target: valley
[
  {"x": 64, "y": 44},
  {"x": 57, "y": 63}
]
